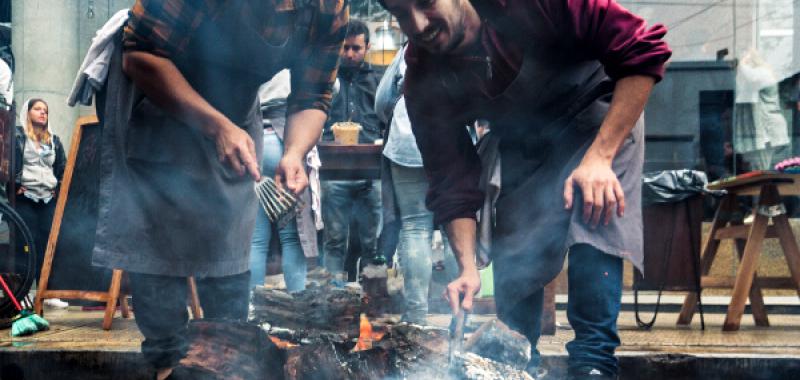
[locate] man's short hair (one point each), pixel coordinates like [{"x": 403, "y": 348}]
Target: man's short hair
[{"x": 357, "y": 27}]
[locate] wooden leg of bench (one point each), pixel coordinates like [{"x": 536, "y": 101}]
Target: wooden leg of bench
[
  {"x": 789, "y": 245},
  {"x": 194, "y": 299},
  {"x": 709, "y": 254},
  {"x": 124, "y": 292},
  {"x": 747, "y": 268},
  {"x": 113, "y": 296},
  {"x": 124, "y": 307},
  {"x": 756, "y": 295},
  {"x": 549, "y": 309}
]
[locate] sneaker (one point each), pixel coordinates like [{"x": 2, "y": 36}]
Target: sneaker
[
  {"x": 589, "y": 373},
  {"x": 55, "y": 303}
]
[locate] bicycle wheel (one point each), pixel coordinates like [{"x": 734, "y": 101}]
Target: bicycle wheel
[{"x": 19, "y": 276}]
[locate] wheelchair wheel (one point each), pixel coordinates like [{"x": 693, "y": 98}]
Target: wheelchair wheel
[{"x": 19, "y": 277}]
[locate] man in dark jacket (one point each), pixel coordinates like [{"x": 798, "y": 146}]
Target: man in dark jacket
[
  {"x": 544, "y": 73},
  {"x": 354, "y": 102}
]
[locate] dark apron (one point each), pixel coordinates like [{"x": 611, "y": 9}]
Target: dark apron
[
  {"x": 545, "y": 121},
  {"x": 168, "y": 206}
]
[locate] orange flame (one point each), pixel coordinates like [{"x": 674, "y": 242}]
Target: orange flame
[
  {"x": 282, "y": 344},
  {"x": 366, "y": 335}
]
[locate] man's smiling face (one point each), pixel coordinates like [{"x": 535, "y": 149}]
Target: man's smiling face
[{"x": 437, "y": 26}]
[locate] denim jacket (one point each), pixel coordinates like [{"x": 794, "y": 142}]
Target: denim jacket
[
  {"x": 400, "y": 147},
  {"x": 356, "y": 102}
]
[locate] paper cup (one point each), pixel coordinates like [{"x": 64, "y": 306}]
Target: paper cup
[{"x": 346, "y": 133}]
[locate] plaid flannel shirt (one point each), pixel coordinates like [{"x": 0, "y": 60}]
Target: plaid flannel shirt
[{"x": 165, "y": 28}]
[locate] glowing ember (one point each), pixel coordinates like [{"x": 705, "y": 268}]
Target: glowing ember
[
  {"x": 366, "y": 335},
  {"x": 282, "y": 344}
]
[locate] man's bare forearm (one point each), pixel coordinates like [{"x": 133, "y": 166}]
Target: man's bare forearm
[
  {"x": 303, "y": 129},
  {"x": 630, "y": 96},
  {"x": 163, "y": 83},
  {"x": 461, "y": 233}
]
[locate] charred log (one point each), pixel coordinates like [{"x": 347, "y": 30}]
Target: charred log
[
  {"x": 230, "y": 350},
  {"x": 317, "y": 314},
  {"x": 494, "y": 340},
  {"x": 329, "y": 361}
]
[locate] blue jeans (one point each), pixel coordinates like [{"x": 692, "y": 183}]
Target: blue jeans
[
  {"x": 414, "y": 247},
  {"x": 293, "y": 259},
  {"x": 339, "y": 198},
  {"x": 595, "y": 291}
]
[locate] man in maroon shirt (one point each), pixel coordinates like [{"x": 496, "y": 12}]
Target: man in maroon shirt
[{"x": 564, "y": 84}]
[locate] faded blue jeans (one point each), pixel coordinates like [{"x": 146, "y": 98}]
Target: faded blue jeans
[
  {"x": 414, "y": 247},
  {"x": 339, "y": 199},
  {"x": 595, "y": 293},
  {"x": 293, "y": 260}
]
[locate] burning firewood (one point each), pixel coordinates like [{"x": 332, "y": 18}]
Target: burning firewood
[
  {"x": 494, "y": 340},
  {"x": 230, "y": 350},
  {"x": 329, "y": 361},
  {"x": 317, "y": 314}
]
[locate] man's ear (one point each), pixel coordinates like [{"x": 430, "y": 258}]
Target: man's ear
[{"x": 369, "y": 45}]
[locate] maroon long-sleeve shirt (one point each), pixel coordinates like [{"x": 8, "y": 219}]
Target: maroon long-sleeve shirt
[{"x": 588, "y": 29}]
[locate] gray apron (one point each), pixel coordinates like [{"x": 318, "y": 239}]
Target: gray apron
[
  {"x": 168, "y": 206},
  {"x": 545, "y": 121}
]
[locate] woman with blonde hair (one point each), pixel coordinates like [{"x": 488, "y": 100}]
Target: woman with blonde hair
[{"x": 38, "y": 167}]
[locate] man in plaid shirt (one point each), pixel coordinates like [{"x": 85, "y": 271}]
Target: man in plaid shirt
[{"x": 190, "y": 157}]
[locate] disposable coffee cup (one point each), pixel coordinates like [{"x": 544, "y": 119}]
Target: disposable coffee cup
[{"x": 346, "y": 133}]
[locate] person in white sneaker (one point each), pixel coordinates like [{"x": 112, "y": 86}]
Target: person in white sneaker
[
  {"x": 38, "y": 169},
  {"x": 55, "y": 303}
]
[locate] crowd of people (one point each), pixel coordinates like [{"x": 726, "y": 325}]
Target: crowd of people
[{"x": 563, "y": 85}]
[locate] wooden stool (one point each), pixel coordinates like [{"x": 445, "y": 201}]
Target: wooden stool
[
  {"x": 549, "y": 308},
  {"x": 749, "y": 239}
]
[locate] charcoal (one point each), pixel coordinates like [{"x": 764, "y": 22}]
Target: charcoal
[{"x": 469, "y": 366}]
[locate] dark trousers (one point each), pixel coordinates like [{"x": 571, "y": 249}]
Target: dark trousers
[
  {"x": 595, "y": 291},
  {"x": 162, "y": 317},
  {"x": 38, "y": 217}
]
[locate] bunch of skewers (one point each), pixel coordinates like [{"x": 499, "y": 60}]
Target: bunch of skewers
[{"x": 279, "y": 205}]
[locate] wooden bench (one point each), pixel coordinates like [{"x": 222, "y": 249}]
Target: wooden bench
[{"x": 749, "y": 240}]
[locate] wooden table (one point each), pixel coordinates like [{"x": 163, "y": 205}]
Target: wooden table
[
  {"x": 349, "y": 162},
  {"x": 728, "y": 224}
]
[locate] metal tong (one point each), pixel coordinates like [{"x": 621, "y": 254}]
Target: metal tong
[{"x": 456, "y": 334}]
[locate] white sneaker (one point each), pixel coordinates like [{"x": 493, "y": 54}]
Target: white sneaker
[{"x": 55, "y": 303}]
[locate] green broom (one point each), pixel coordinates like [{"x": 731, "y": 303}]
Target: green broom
[{"x": 27, "y": 322}]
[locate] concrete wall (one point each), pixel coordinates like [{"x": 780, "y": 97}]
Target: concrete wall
[{"x": 49, "y": 39}]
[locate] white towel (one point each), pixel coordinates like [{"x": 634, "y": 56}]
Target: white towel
[
  {"x": 313, "y": 162},
  {"x": 94, "y": 69}
]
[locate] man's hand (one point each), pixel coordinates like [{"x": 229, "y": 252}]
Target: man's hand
[
  {"x": 291, "y": 171},
  {"x": 237, "y": 149},
  {"x": 600, "y": 187},
  {"x": 467, "y": 284},
  {"x": 165, "y": 85},
  {"x": 21, "y": 190},
  {"x": 601, "y": 190}
]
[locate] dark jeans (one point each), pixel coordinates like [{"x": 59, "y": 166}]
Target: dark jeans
[
  {"x": 339, "y": 200},
  {"x": 595, "y": 291},
  {"x": 38, "y": 217},
  {"x": 160, "y": 304}
]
